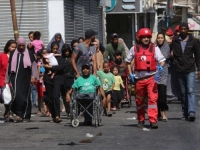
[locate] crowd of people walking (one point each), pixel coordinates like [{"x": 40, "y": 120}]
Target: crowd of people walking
[{"x": 55, "y": 71}]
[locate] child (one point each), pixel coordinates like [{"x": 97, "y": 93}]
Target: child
[
  {"x": 40, "y": 84},
  {"x": 86, "y": 84},
  {"x": 116, "y": 94},
  {"x": 69, "y": 75},
  {"x": 49, "y": 58},
  {"x": 36, "y": 43},
  {"x": 99, "y": 55},
  {"x": 107, "y": 82}
]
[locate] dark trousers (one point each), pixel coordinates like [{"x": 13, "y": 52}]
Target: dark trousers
[
  {"x": 162, "y": 97},
  {"x": 116, "y": 97},
  {"x": 53, "y": 95}
]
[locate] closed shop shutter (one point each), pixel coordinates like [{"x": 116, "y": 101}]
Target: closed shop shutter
[
  {"x": 31, "y": 16},
  {"x": 81, "y": 15}
]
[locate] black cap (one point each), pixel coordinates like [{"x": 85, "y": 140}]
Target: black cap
[
  {"x": 114, "y": 35},
  {"x": 89, "y": 33},
  {"x": 117, "y": 53},
  {"x": 85, "y": 66},
  {"x": 184, "y": 24}
]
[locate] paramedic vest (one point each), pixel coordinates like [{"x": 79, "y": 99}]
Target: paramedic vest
[{"x": 144, "y": 58}]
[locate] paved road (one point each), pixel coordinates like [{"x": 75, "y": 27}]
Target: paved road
[{"x": 117, "y": 133}]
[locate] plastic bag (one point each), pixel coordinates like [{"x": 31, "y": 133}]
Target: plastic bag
[{"x": 6, "y": 95}]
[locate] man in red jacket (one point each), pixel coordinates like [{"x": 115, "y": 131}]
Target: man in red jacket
[{"x": 145, "y": 56}]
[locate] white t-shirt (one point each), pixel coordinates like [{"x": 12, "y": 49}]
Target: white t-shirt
[
  {"x": 140, "y": 74},
  {"x": 52, "y": 60}
]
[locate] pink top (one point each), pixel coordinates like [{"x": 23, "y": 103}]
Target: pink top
[{"x": 38, "y": 44}]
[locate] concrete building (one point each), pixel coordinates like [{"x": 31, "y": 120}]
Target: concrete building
[{"x": 70, "y": 18}]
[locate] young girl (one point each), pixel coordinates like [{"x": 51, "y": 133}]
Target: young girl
[
  {"x": 36, "y": 43},
  {"x": 116, "y": 94},
  {"x": 69, "y": 75}
]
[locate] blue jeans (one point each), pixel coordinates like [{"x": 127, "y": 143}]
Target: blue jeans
[
  {"x": 33, "y": 93},
  {"x": 187, "y": 85}
]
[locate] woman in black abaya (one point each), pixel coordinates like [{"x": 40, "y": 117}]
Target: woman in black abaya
[
  {"x": 53, "y": 86},
  {"x": 22, "y": 70}
]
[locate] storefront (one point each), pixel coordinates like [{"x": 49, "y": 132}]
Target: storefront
[
  {"x": 31, "y": 16},
  {"x": 125, "y": 18}
]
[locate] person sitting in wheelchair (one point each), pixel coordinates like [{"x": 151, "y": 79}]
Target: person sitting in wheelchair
[{"x": 86, "y": 85}]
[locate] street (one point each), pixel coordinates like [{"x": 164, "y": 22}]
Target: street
[{"x": 117, "y": 132}]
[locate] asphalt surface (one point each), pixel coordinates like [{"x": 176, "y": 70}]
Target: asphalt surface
[{"x": 117, "y": 132}]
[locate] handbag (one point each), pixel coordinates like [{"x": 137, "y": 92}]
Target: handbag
[{"x": 7, "y": 94}]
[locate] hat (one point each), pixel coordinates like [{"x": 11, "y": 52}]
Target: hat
[
  {"x": 177, "y": 28},
  {"x": 117, "y": 52},
  {"x": 114, "y": 35},
  {"x": 86, "y": 65},
  {"x": 170, "y": 32},
  {"x": 89, "y": 33},
  {"x": 184, "y": 24}
]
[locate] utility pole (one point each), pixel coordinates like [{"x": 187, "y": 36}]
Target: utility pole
[
  {"x": 167, "y": 13},
  {"x": 14, "y": 19}
]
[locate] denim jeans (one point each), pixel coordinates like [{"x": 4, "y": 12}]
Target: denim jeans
[
  {"x": 187, "y": 85},
  {"x": 34, "y": 94}
]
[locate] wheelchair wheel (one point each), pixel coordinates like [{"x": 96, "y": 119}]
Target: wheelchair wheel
[
  {"x": 99, "y": 111},
  {"x": 75, "y": 123}
]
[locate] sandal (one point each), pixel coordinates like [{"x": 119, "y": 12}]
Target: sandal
[
  {"x": 57, "y": 120},
  {"x": 26, "y": 120},
  {"x": 164, "y": 119},
  {"x": 18, "y": 119},
  {"x": 109, "y": 114}
]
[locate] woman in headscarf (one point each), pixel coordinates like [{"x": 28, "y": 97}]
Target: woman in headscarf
[
  {"x": 162, "y": 84},
  {"x": 53, "y": 85},
  {"x": 22, "y": 70},
  {"x": 58, "y": 38},
  {"x": 173, "y": 88},
  {"x": 4, "y": 57},
  {"x": 126, "y": 48}
]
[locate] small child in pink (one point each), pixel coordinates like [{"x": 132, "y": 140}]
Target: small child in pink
[{"x": 36, "y": 43}]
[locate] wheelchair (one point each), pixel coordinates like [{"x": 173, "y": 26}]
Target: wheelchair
[{"x": 93, "y": 100}]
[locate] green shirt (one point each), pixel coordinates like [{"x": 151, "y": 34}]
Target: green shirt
[
  {"x": 106, "y": 79},
  {"x": 86, "y": 85},
  {"x": 110, "y": 52}
]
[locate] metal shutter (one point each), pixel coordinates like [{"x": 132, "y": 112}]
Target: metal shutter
[
  {"x": 81, "y": 15},
  {"x": 31, "y": 16}
]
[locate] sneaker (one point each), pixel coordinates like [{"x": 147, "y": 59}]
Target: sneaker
[
  {"x": 140, "y": 124},
  {"x": 114, "y": 108},
  {"x": 153, "y": 125},
  {"x": 184, "y": 118},
  {"x": 192, "y": 117}
]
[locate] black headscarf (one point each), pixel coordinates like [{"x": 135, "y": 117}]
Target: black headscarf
[{"x": 61, "y": 43}]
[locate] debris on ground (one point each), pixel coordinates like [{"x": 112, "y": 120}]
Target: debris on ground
[
  {"x": 133, "y": 118},
  {"x": 145, "y": 129}
]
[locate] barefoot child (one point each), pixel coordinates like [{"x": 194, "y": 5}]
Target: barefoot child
[{"x": 107, "y": 82}]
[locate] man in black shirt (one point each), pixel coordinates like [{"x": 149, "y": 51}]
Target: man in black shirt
[{"x": 186, "y": 53}]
